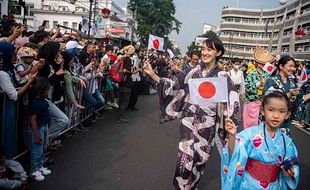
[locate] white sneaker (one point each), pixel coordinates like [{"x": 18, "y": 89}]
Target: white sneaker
[
  {"x": 45, "y": 171},
  {"x": 37, "y": 176}
]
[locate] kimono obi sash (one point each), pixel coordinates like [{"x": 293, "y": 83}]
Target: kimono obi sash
[{"x": 261, "y": 171}]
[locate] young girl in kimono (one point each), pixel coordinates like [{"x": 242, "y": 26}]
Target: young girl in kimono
[
  {"x": 261, "y": 157},
  {"x": 198, "y": 122}
]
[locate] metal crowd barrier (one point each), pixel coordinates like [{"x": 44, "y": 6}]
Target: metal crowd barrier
[{"x": 14, "y": 120}]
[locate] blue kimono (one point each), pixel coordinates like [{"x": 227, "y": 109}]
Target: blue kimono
[{"x": 251, "y": 145}]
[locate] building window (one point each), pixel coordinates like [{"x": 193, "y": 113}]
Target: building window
[
  {"x": 74, "y": 25},
  {"x": 250, "y": 35},
  {"x": 17, "y": 10},
  {"x": 55, "y": 24},
  {"x": 47, "y": 7},
  {"x": 66, "y": 24},
  {"x": 237, "y": 20},
  {"x": 243, "y": 34}
]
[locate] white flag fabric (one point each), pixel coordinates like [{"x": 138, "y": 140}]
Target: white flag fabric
[
  {"x": 269, "y": 68},
  {"x": 171, "y": 54},
  {"x": 156, "y": 42},
  {"x": 303, "y": 78},
  {"x": 202, "y": 91}
]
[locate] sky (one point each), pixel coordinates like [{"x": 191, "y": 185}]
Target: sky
[{"x": 194, "y": 13}]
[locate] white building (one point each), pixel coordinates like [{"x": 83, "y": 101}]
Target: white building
[
  {"x": 70, "y": 13},
  {"x": 4, "y": 7},
  {"x": 207, "y": 27}
]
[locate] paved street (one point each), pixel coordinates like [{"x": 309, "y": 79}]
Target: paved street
[{"x": 140, "y": 155}]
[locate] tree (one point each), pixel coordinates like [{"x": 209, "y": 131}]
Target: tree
[
  {"x": 192, "y": 47},
  {"x": 155, "y": 17}
]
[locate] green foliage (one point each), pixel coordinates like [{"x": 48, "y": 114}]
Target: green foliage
[
  {"x": 192, "y": 47},
  {"x": 155, "y": 17}
]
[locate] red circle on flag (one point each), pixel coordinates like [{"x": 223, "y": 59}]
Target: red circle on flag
[
  {"x": 269, "y": 68},
  {"x": 156, "y": 43},
  {"x": 304, "y": 76},
  {"x": 206, "y": 90}
]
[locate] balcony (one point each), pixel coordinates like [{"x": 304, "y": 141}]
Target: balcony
[
  {"x": 301, "y": 55},
  {"x": 229, "y": 12}
]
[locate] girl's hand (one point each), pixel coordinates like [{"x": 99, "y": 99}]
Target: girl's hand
[
  {"x": 289, "y": 173},
  {"x": 38, "y": 139},
  {"x": 230, "y": 127},
  {"x": 82, "y": 83},
  {"x": 147, "y": 68}
]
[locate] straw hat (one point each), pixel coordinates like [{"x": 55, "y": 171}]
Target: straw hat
[{"x": 262, "y": 56}]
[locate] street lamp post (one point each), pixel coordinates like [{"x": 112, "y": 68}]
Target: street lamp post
[
  {"x": 23, "y": 5},
  {"x": 89, "y": 18}
]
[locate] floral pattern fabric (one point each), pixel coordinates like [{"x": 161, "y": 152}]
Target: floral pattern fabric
[
  {"x": 198, "y": 124},
  {"x": 251, "y": 91}
]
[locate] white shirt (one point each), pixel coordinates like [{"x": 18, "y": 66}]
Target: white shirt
[
  {"x": 105, "y": 58},
  {"x": 238, "y": 79},
  {"x": 7, "y": 86},
  {"x": 134, "y": 67}
]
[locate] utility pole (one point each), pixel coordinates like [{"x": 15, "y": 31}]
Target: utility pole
[
  {"x": 133, "y": 24},
  {"x": 89, "y": 18}
]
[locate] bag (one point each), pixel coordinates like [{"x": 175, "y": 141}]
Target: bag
[{"x": 116, "y": 72}]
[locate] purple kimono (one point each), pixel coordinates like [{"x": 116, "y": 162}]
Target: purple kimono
[{"x": 198, "y": 125}]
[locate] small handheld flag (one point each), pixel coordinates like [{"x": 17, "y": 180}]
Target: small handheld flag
[
  {"x": 302, "y": 78},
  {"x": 269, "y": 68},
  {"x": 156, "y": 42},
  {"x": 205, "y": 90}
]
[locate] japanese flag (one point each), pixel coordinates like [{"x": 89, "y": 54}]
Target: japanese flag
[
  {"x": 171, "y": 54},
  {"x": 205, "y": 90},
  {"x": 269, "y": 68},
  {"x": 303, "y": 78},
  {"x": 156, "y": 42}
]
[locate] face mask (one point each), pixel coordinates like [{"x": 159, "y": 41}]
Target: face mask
[{"x": 236, "y": 67}]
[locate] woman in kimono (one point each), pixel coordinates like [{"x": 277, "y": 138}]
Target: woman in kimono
[
  {"x": 261, "y": 157},
  {"x": 198, "y": 123},
  {"x": 283, "y": 82}
]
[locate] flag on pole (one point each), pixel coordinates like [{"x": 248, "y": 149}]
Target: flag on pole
[
  {"x": 156, "y": 42},
  {"x": 171, "y": 54},
  {"x": 205, "y": 90},
  {"x": 269, "y": 68},
  {"x": 303, "y": 78}
]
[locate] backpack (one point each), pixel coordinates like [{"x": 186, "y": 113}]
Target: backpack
[{"x": 116, "y": 72}]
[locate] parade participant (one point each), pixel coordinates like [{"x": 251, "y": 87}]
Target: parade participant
[
  {"x": 283, "y": 82},
  {"x": 236, "y": 76},
  {"x": 261, "y": 157},
  {"x": 254, "y": 87},
  {"x": 198, "y": 123}
]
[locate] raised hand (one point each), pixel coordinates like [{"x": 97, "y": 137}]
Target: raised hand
[{"x": 230, "y": 127}]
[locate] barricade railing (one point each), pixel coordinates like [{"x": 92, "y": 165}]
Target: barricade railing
[{"x": 14, "y": 123}]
